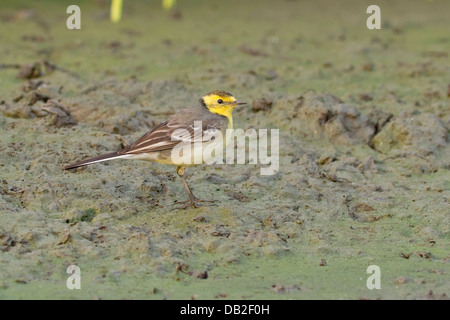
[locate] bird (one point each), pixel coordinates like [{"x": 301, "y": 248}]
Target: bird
[{"x": 214, "y": 110}]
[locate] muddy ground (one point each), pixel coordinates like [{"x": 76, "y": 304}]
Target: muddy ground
[{"x": 364, "y": 174}]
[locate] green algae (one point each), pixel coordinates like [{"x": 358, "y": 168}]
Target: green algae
[{"x": 308, "y": 232}]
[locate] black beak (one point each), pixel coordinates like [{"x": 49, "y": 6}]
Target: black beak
[{"x": 239, "y": 103}]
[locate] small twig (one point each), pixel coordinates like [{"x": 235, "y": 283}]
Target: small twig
[{"x": 50, "y": 67}]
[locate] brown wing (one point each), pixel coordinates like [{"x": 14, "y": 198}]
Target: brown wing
[
  {"x": 162, "y": 137},
  {"x": 169, "y": 133}
]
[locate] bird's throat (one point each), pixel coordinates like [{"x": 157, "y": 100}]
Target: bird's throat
[{"x": 224, "y": 111}]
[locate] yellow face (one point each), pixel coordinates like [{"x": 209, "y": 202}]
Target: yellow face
[{"x": 221, "y": 102}]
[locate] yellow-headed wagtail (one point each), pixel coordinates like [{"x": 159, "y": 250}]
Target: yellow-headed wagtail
[{"x": 215, "y": 113}]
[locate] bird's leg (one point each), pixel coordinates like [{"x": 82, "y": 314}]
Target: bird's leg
[{"x": 193, "y": 201}]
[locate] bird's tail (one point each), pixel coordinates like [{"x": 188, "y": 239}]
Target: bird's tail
[{"x": 101, "y": 158}]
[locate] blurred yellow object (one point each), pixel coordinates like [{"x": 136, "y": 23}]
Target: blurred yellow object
[
  {"x": 168, "y": 4},
  {"x": 116, "y": 10}
]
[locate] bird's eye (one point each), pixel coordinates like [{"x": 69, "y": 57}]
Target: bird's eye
[{"x": 220, "y": 101}]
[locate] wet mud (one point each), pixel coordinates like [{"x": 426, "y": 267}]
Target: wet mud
[{"x": 363, "y": 119}]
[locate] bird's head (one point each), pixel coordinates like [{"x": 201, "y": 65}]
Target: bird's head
[{"x": 220, "y": 102}]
